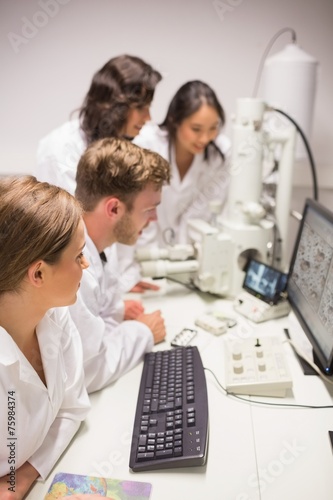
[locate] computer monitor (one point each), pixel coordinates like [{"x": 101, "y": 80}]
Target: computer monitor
[{"x": 310, "y": 281}]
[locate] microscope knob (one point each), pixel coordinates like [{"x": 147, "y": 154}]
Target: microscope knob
[{"x": 206, "y": 281}]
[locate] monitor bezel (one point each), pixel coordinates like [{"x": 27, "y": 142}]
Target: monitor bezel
[{"x": 325, "y": 364}]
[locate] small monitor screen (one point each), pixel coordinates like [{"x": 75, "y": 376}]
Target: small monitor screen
[
  {"x": 264, "y": 281},
  {"x": 310, "y": 281}
]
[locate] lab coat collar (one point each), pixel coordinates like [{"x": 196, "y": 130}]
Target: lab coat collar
[
  {"x": 192, "y": 174},
  {"x": 94, "y": 256},
  {"x": 49, "y": 336}
]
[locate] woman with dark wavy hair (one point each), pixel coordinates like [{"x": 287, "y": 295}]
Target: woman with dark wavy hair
[
  {"x": 116, "y": 105},
  {"x": 191, "y": 138}
]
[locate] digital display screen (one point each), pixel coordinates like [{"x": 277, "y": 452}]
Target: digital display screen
[
  {"x": 310, "y": 283},
  {"x": 265, "y": 282}
]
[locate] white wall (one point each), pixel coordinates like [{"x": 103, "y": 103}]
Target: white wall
[{"x": 50, "y": 49}]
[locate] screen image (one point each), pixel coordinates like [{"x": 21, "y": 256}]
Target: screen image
[
  {"x": 310, "y": 282},
  {"x": 264, "y": 281}
]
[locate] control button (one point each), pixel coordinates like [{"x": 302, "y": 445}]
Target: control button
[
  {"x": 236, "y": 353},
  {"x": 238, "y": 368}
]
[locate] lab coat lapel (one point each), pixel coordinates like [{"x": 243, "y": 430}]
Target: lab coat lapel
[
  {"x": 11, "y": 354},
  {"x": 49, "y": 336},
  {"x": 181, "y": 187}
]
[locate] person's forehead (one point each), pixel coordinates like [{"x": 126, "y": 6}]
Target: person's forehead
[{"x": 150, "y": 195}]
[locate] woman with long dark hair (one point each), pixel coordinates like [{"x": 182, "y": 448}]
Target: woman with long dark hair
[{"x": 191, "y": 138}]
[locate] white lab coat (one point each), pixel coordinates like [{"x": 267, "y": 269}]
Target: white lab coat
[
  {"x": 111, "y": 346},
  {"x": 59, "y": 153},
  {"x": 46, "y": 418}
]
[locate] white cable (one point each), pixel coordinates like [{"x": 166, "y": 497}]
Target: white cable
[
  {"x": 265, "y": 54},
  {"x": 309, "y": 361}
]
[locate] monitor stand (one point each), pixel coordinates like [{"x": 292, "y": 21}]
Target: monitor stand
[{"x": 307, "y": 369}]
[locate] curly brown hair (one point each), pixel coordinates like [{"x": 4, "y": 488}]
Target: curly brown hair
[{"x": 122, "y": 83}]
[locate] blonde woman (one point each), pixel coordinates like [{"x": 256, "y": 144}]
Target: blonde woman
[{"x": 42, "y": 392}]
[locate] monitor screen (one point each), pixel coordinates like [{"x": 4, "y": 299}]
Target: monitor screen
[
  {"x": 265, "y": 282},
  {"x": 310, "y": 281}
]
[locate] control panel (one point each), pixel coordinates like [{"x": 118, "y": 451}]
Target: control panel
[
  {"x": 257, "y": 367},
  {"x": 257, "y": 310}
]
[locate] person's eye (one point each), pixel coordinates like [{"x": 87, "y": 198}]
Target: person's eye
[{"x": 150, "y": 210}]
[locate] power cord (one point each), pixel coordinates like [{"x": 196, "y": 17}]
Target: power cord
[
  {"x": 191, "y": 286},
  {"x": 308, "y": 150},
  {"x": 265, "y": 403}
]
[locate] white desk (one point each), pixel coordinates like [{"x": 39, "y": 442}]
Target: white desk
[{"x": 255, "y": 452}]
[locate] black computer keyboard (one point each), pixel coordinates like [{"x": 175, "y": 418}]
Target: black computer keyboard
[{"x": 171, "y": 419}]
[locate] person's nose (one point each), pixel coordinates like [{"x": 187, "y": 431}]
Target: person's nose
[{"x": 204, "y": 138}]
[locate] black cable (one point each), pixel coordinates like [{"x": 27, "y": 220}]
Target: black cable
[
  {"x": 308, "y": 149},
  {"x": 266, "y": 403},
  {"x": 191, "y": 286},
  {"x": 194, "y": 288}
]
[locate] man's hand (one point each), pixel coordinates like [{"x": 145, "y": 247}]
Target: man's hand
[
  {"x": 133, "y": 308},
  {"x": 155, "y": 322},
  {"x": 142, "y": 286}
]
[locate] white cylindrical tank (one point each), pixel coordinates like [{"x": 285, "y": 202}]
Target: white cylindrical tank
[{"x": 289, "y": 83}]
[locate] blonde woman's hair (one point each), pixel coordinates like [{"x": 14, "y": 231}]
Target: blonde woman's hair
[{"x": 37, "y": 222}]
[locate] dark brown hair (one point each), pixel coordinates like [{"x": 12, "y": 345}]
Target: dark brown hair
[
  {"x": 187, "y": 101},
  {"x": 123, "y": 82}
]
